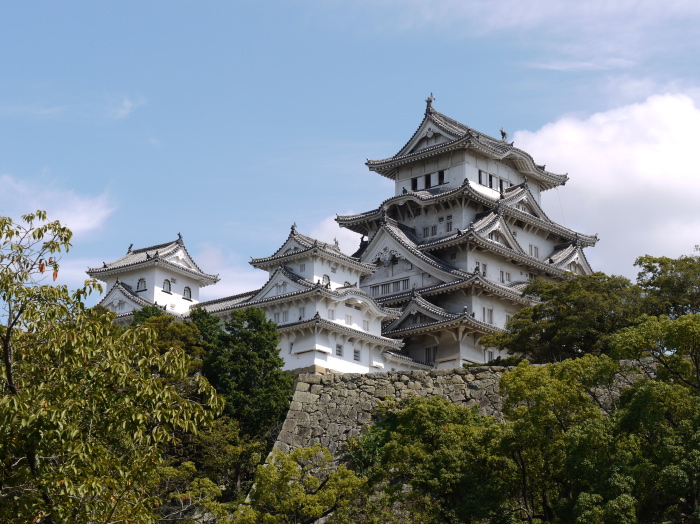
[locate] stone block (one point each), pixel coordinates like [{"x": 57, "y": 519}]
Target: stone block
[
  {"x": 304, "y": 398},
  {"x": 295, "y": 406},
  {"x": 313, "y": 379},
  {"x": 316, "y": 389},
  {"x": 302, "y": 386}
]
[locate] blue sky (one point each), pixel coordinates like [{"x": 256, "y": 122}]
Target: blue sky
[{"x": 228, "y": 121}]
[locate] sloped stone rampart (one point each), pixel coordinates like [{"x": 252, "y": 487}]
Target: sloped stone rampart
[{"x": 329, "y": 409}]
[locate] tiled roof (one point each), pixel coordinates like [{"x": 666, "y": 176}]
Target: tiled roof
[
  {"x": 465, "y": 136},
  {"x": 127, "y": 291},
  {"x": 400, "y": 234},
  {"x": 512, "y": 291},
  {"x": 511, "y": 197},
  {"x": 309, "y": 245},
  {"x": 405, "y": 359},
  {"x": 247, "y": 299},
  {"x": 151, "y": 255},
  {"x": 335, "y": 326}
]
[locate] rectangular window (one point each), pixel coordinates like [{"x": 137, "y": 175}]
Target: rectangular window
[
  {"x": 365, "y": 325},
  {"x": 503, "y": 277},
  {"x": 430, "y": 354},
  {"x": 396, "y": 286},
  {"x": 348, "y": 320},
  {"x": 291, "y": 347},
  {"x": 441, "y": 177},
  {"x": 487, "y": 315},
  {"x": 302, "y": 313},
  {"x": 427, "y": 181},
  {"x": 493, "y": 235},
  {"x": 534, "y": 251},
  {"x": 285, "y": 316},
  {"x": 489, "y": 356},
  {"x": 433, "y": 230},
  {"x": 385, "y": 288},
  {"x": 507, "y": 277},
  {"x": 302, "y": 268},
  {"x": 404, "y": 285},
  {"x": 482, "y": 178},
  {"x": 417, "y": 212},
  {"x": 339, "y": 350},
  {"x": 491, "y": 181},
  {"x": 331, "y": 314},
  {"x": 501, "y": 186},
  {"x": 441, "y": 220},
  {"x": 375, "y": 291},
  {"x": 426, "y": 231},
  {"x": 531, "y": 276},
  {"x": 356, "y": 354},
  {"x": 453, "y": 256},
  {"x": 414, "y": 184},
  {"x": 448, "y": 226},
  {"x": 277, "y": 318},
  {"x": 333, "y": 269},
  {"x": 507, "y": 319},
  {"x": 483, "y": 269}
]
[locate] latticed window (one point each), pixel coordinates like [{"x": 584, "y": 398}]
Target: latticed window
[
  {"x": 187, "y": 293},
  {"x": 141, "y": 286},
  {"x": 166, "y": 285}
]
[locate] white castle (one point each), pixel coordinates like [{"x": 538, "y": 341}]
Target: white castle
[{"x": 441, "y": 263}]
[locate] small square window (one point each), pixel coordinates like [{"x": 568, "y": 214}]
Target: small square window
[
  {"x": 453, "y": 256},
  {"x": 339, "y": 350},
  {"x": 302, "y": 268},
  {"x": 365, "y": 325},
  {"x": 356, "y": 354}
]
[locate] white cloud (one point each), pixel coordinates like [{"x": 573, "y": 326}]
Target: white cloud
[
  {"x": 125, "y": 108},
  {"x": 236, "y": 275},
  {"x": 575, "y": 36},
  {"x": 634, "y": 178},
  {"x": 80, "y": 213},
  {"x": 328, "y": 231}
]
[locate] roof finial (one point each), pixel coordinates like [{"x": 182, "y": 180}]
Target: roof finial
[
  {"x": 179, "y": 238},
  {"x": 129, "y": 250},
  {"x": 429, "y": 104},
  {"x": 504, "y": 134},
  {"x": 335, "y": 240},
  {"x": 294, "y": 227}
]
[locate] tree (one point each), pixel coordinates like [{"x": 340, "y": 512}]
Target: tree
[
  {"x": 671, "y": 285},
  {"x": 85, "y": 407},
  {"x": 246, "y": 369},
  {"x": 574, "y": 318},
  {"x": 146, "y": 312},
  {"x": 298, "y": 488},
  {"x": 674, "y": 344}
]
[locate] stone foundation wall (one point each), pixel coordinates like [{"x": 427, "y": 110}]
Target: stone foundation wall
[{"x": 328, "y": 409}]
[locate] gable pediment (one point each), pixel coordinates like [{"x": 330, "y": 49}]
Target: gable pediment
[
  {"x": 496, "y": 230},
  {"x": 428, "y": 135},
  {"x": 181, "y": 258},
  {"x": 279, "y": 284},
  {"x": 526, "y": 203},
  {"x": 384, "y": 248},
  {"x": 120, "y": 301},
  {"x": 419, "y": 312}
]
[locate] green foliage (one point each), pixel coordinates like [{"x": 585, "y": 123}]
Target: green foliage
[
  {"x": 85, "y": 407},
  {"x": 671, "y": 286},
  {"x": 673, "y": 344},
  {"x": 246, "y": 369},
  {"x": 146, "y": 312},
  {"x": 298, "y": 488},
  {"x": 575, "y": 318}
]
